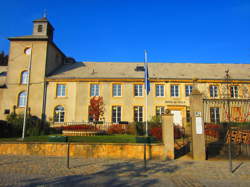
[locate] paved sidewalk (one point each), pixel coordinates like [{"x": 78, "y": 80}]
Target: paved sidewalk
[{"x": 52, "y": 171}]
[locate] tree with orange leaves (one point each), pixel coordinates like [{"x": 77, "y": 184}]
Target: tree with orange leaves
[{"x": 96, "y": 108}]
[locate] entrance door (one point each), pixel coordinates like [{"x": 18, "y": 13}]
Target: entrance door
[{"x": 177, "y": 117}]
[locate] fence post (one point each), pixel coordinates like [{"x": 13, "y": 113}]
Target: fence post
[
  {"x": 168, "y": 135},
  {"x": 198, "y": 135}
]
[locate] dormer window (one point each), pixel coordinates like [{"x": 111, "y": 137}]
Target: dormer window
[{"x": 40, "y": 28}]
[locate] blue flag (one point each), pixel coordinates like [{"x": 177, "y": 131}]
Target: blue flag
[{"x": 146, "y": 77}]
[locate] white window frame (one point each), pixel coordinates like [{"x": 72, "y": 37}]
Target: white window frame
[
  {"x": 94, "y": 90},
  {"x": 188, "y": 90},
  {"x": 118, "y": 114},
  {"x": 60, "y": 113},
  {"x": 138, "y": 117},
  {"x": 22, "y": 99},
  {"x": 60, "y": 90},
  {"x": 216, "y": 114},
  {"x": 117, "y": 90},
  {"x": 234, "y": 91},
  {"x": 159, "y": 90},
  {"x": 138, "y": 90},
  {"x": 161, "y": 110},
  {"x": 213, "y": 91},
  {"x": 174, "y": 90}
]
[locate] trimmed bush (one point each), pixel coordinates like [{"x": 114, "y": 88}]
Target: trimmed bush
[
  {"x": 156, "y": 132},
  {"x": 116, "y": 129},
  {"x": 131, "y": 129},
  {"x": 80, "y": 128}
]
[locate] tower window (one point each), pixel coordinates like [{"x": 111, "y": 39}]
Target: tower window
[
  {"x": 22, "y": 99},
  {"x": 24, "y": 77},
  {"x": 40, "y": 28}
]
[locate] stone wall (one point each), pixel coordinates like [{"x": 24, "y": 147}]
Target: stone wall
[{"x": 129, "y": 151}]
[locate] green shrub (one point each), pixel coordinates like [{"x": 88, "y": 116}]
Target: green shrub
[
  {"x": 34, "y": 125},
  {"x": 5, "y": 129},
  {"x": 140, "y": 128},
  {"x": 16, "y": 123},
  {"x": 155, "y": 121},
  {"x": 131, "y": 129}
]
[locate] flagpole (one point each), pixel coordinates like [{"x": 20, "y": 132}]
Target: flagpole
[
  {"x": 28, "y": 52},
  {"x": 146, "y": 90}
]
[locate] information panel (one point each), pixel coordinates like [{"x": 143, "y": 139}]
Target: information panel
[{"x": 198, "y": 121}]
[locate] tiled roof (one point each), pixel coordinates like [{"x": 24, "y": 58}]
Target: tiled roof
[
  {"x": 41, "y": 19},
  {"x": 110, "y": 70},
  {"x": 29, "y": 37}
]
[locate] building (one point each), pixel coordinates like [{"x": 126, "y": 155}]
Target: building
[{"x": 60, "y": 88}]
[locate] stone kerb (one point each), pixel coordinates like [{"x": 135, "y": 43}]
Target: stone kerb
[{"x": 85, "y": 150}]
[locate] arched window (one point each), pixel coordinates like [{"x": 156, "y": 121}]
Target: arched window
[
  {"x": 24, "y": 77},
  {"x": 59, "y": 114},
  {"x": 22, "y": 99}
]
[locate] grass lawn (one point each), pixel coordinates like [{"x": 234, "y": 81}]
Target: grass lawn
[{"x": 91, "y": 139}]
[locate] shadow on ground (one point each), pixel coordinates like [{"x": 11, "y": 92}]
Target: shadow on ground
[{"x": 119, "y": 174}]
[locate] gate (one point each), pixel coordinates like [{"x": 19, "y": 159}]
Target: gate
[
  {"x": 227, "y": 128},
  {"x": 181, "y": 140}
]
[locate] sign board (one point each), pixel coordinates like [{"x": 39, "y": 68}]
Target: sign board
[
  {"x": 175, "y": 102},
  {"x": 198, "y": 122}
]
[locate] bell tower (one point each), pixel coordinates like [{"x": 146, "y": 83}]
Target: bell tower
[
  {"x": 42, "y": 27},
  {"x": 34, "y": 56}
]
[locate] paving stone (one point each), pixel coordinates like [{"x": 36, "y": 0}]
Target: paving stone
[{"x": 52, "y": 171}]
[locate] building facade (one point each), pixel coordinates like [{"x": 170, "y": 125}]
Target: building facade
[{"x": 60, "y": 89}]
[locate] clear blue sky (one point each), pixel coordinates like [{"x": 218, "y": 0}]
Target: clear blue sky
[{"x": 209, "y": 31}]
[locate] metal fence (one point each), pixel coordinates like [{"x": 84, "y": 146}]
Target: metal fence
[
  {"x": 227, "y": 128},
  {"x": 102, "y": 126}
]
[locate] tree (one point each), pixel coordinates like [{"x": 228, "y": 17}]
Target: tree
[
  {"x": 3, "y": 59},
  {"x": 96, "y": 108}
]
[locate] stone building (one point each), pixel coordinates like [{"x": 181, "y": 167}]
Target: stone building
[{"x": 60, "y": 88}]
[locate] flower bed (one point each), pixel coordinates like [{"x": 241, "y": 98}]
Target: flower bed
[
  {"x": 82, "y": 133},
  {"x": 117, "y": 129},
  {"x": 81, "y": 130},
  {"x": 156, "y": 132},
  {"x": 212, "y": 130}
]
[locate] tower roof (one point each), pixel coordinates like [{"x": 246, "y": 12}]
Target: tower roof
[{"x": 43, "y": 19}]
